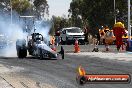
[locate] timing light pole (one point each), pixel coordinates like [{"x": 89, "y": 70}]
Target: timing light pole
[
  {"x": 129, "y": 20},
  {"x": 114, "y": 11},
  {"x": 11, "y": 10}
]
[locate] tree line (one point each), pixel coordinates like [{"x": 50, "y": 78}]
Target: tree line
[
  {"x": 94, "y": 14},
  {"x": 90, "y": 13},
  {"x": 97, "y": 13},
  {"x": 38, "y": 8}
]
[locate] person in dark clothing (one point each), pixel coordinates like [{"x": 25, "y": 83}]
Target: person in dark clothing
[
  {"x": 86, "y": 31},
  {"x": 98, "y": 38},
  {"x": 57, "y": 38},
  {"x": 62, "y": 52},
  {"x": 96, "y": 42}
]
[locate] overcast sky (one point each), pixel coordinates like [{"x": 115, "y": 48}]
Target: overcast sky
[{"x": 58, "y": 7}]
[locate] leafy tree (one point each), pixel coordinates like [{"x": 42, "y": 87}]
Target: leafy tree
[
  {"x": 41, "y": 7},
  {"x": 26, "y": 7},
  {"x": 4, "y": 5},
  {"x": 59, "y": 23},
  {"x": 21, "y": 6},
  {"x": 96, "y": 13}
]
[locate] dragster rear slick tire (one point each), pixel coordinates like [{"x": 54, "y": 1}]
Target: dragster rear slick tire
[
  {"x": 21, "y": 48},
  {"x": 22, "y": 53}
]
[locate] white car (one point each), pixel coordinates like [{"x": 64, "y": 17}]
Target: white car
[{"x": 69, "y": 35}]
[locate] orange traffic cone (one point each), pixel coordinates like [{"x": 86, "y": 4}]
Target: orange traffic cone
[
  {"x": 53, "y": 45},
  {"x": 76, "y": 47},
  {"x": 52, "y": 41}
]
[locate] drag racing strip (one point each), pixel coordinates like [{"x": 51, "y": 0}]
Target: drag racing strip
[
  {"x": 46, "y": 73},
  {"x": 10, "y": 77},
  {"x": 14, "y": 80},
  {"x": 61, "y": 73},
  {"x": 118, "y": 56}
]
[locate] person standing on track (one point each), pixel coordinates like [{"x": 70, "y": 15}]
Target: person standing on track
[
  {"x": 86, "y": 32},
  {"x": 57, "y": 38},
  {"x": 96, "y": 40},
  {"x": 119, "y": 31}
]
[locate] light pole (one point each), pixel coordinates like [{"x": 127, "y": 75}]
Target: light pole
[
  {"x": 114, "y": 12},
  {"x": 129, "y": 25},
  {"x": 11, "y": 10}
]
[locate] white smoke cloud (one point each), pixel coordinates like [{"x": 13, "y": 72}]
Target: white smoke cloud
[
  {"x": 14, "y": 31},
  {"x": 10, "y": 33}
]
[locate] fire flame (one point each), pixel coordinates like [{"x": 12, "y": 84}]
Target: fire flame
[{"x": 81, "y": 71}]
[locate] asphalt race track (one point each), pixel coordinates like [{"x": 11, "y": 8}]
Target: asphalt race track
[{"x": 60, "y": 73}]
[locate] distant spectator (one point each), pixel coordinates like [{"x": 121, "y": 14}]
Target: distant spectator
[
  {"x": 86, "y": 31},
  {"x": 119, "y": 31},
  {"x": 57, "y": 38},
  {"x": 98, "y": 37}
]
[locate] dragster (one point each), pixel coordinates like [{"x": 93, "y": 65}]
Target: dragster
[{"x": 37, "y": 47}]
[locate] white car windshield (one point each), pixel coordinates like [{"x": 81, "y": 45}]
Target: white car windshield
[{"x": 74, "y": 30}]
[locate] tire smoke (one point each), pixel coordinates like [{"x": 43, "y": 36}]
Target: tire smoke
[{"x": 9, "y": 33}]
